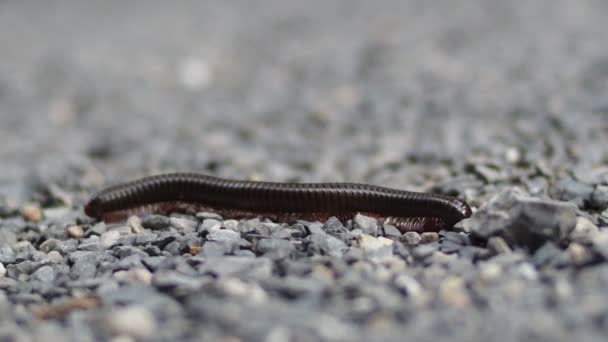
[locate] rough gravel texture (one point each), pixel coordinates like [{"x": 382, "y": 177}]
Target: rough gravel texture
[{"x": 500, "y": 102}]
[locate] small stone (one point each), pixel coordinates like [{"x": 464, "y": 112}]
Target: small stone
[
  {"x": 45, "y": 274},
  {"x": 224, "y": 235},
  {"x": 571, "y": 190},
  {"x": 203, "y": 215},
  {"x": 422, "y": 252},
  {"x": 600, "y": 244},
  {"x": 156, "y": 222},
  {"x": 31, "y": 213},
  {"x": 108, "y": 239},
  {"x": 210, "y": 225},
  {"x": 490, "y": 272},
  {"x": 231, "y": 225},
  {"x": 75, "y": 231},
  {"x": 429, "y": 237},
  {"x": 489, "y": 173},
  {"x": 121, "y": 229},
  {"x": 325, "y": 244},
  {"x": 599, "y": 198},
  {"x": 584, "y": 230},
  {"x": 411, "y": 238},
  {"x": 50, "y": 245},
  {"x": 498, "y": 245},
  {"x": 2, "y": 270},
  {"x": 183, "y": 225},
  {"x": 376, "y": 248},
  {"x": 390, "y": 230},
  {"x": 90, "y": 244},
  {"x": 135, "y": 223},
  {"x": 136, "y": 274},
  {"x": 452, "y": 291},
  {"x": 275, "y": 248},
  {"x": 55, "y": 257},
  {"x": 98, "y": 229},
  {"x": 7, "y": 254},
  {"x": 368, "y": 225},
  {"x": 134, "y": 321},
  {"x": 579, "y": 254},
  {"x": 194, "y": 250}
]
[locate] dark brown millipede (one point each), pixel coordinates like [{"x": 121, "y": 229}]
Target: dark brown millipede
[{"x": 280, "y": 202}]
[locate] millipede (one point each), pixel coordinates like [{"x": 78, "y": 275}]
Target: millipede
[{"x": 280, "y": 202}]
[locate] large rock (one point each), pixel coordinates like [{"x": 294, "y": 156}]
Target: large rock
[{"x": 523, "y": 220}]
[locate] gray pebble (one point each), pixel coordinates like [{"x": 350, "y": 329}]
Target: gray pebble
[
  {"x": 429, "y": 237},
  {"x": 183, "y": 225},
  {"x": 498, "y": 245},
  {"x": 599, "y": 198},
  {"x": 156, "y": 222},
  {"x": 7, "y": 254},
  {"x": 109, "y": 238},
  {"x": 411, "y": 238},
  {"x": 571, "y": 190},
  {"x": 90, "y": 244},
  {"x": 49, "y": 245},
  {"x": 210, "y": 225},
  {"x": 275, "y": 248},
  {"x": 391, "y": 231},
  {"x": 45, "y": 274},
  {"x": 368, "y": 225},
  {"x": 208, "y": 215},
  {"x": 325, "y": 244}
]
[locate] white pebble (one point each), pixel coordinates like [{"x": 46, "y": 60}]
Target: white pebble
[
  {"x": 109, "y": 238},
  {"x": 134, "y": 321}
]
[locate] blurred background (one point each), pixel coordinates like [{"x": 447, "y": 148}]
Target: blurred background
[{"x": 400, "y": 93}]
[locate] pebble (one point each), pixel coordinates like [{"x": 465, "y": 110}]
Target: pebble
[
  {"x": 325, "y": 244},
  {"x": 135, "y": 321},
  {"x": 599, "y": 198},
  {"x": 376, "y": 249},
  {"x": 183, "y": 225},
  {"x": 2, "y": 270},
  {"x": 391, "y": 231},
  {"x": 498, "y": 245},
  {"x": 75, "y": 231},
  {"x": 275, "y": 248},
  {"x": 203, "y": 215},
  {"x": 411, "y": 238},
  {"x": 7, "y": 254},
  {"x": 571, "y": 190},
  {"x": 108, "y": 239},
  {"x": 429, "y": 237},
  {"x": 210, "y": 225},
  {"x": 31, "y": 213},
  {"x": 135, "y": 223},
  {"x": 584, "y": 230},
  {"x": 368, "y": 225},
  {"x": 45, "y": 274},
  {"x": 600, "y": 244},
  {"x": 98, "y": 228},
  {"x": 156, "y": 222}
]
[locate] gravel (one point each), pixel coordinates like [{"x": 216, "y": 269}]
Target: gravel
[{"x": 500, "y": 103}]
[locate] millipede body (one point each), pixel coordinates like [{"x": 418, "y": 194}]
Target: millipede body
[{"x": 280, "y": 202}]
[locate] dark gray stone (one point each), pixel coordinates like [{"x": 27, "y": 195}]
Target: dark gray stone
[
  {"x": 523, "y": 220},
  {"x": 599, "y": 198},
  {"x": 156, "y": 222},
  {"x": 571, "y": 190}
]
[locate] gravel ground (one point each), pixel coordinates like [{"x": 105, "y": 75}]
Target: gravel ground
[{"x": 501, "y": 103}]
